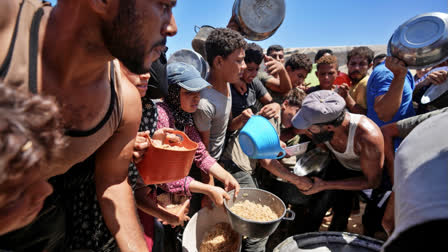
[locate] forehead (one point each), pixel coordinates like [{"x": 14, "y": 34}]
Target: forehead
[
  {"x": 252, "y": 65},
  {"x": 358, "y": 58},
  {"x": 277, "y": 52},
  {"x": 327, "y": 68},
  {"x": 238, "y": 53}
]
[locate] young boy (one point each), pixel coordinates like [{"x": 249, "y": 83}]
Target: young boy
[{"x": 30, "y": 139}]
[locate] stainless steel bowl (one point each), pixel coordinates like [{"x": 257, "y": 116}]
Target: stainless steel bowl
[
  {"x": 193, "y": 58},
  {"x": 259, "y": 19},
  {"x": 422, "y": 41},
  {"x": 257, "y": 229}
]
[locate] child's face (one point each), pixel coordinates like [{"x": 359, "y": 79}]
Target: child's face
[
  {"x": 234, "y": 66},
  {"x": 21, "y": 199}
]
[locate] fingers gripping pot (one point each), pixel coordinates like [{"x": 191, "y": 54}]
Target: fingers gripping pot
[{"x": 162, "y": 164}]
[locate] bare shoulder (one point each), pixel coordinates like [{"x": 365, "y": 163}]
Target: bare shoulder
[
  {"x": 368, "y": 133},
  {"x": 9, "y": 10},
  {"x": 132, "y": 105}
]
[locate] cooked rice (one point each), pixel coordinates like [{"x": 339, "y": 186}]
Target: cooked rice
[
  {"x": 254, "y": 211},
  {"x": 220, "y": 238},
  {"x": 159, "y": 144}
]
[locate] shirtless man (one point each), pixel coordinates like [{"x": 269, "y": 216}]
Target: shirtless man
[
  {"x": 354, "y": 139},
  {"x": 68, "y": 55}
]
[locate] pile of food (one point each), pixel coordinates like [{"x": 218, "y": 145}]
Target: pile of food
[
  {"x": 172, "y": 202},
  {"x": 158, "y": 144},
  {"x": 254, "y": 211},
  {"x": 220, "y": 238}
]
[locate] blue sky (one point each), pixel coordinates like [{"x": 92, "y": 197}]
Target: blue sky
[{"x": 311, "y": 23}]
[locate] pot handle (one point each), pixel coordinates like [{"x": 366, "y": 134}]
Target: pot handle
[
  {"x": 291, "y": 213},
  {"x": 196, "y": 28}
]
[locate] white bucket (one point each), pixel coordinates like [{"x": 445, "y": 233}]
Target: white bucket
[{"x": 199, "y": 224}]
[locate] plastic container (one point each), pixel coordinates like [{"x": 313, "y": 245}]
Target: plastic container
[
  {"x": 329, "y": 241},
  {"x": 161, "y": 165},
  {"x": 199, "y": 224},
  {"x": 259, "y": 139}
]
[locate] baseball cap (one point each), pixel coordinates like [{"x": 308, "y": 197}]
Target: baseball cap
[
  {"x": 186, "y": 76},
  {"x": 318, "y": 107}
]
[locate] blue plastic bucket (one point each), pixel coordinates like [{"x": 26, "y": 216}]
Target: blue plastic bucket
[{"x": 259, "y": 139}]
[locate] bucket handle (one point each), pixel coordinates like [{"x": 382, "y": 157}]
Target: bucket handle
[
  {"x": 282, "y": 155},
  {"x": 291, "y": 214}
]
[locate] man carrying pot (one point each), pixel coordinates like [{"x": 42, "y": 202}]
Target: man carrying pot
[{"x": 357, "y": 145}]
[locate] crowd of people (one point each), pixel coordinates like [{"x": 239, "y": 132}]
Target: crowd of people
[{"x": 85, "y": 85}]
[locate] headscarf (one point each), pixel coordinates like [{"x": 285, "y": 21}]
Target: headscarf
[{"x": 182, "y": 118}]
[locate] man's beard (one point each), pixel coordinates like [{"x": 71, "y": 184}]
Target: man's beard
[
  {"x": 323, "y": 137},
  {"x": 355, "y": 80},
  {"x": 124, "y": 39}
]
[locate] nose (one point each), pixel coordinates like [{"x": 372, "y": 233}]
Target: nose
[
  {"x": 41, "y": 191},
  {"x": 171, "y": 28},
  {"x": 243, "y": 66},
  {"x": 145, "y": 77}
]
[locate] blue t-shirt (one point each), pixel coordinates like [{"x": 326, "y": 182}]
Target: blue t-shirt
[{"x": 378, "y": 84}]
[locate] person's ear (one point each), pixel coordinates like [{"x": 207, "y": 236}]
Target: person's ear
[
  {"x": 104, "y": 7},
  {"x": 284, "y": 104},
  {"x": 329, "y": 127},
  {"x": 218, "y": 62},
  {"x": 370, "y": 65}
]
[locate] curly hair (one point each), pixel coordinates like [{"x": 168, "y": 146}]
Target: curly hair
[
  {"x": 321, "y": 53},
  {"x": 30, "y": 132},
  {"x": 223, "y": 42},
  {"x": 362, "y": 51},
  {"x": 295, "y": 97},
  {"x": 327, "y": 60},
  {"x": 299, "y": 61},
  {"x": 254, "y": 54},
  {"x": 274, "y": 48}
]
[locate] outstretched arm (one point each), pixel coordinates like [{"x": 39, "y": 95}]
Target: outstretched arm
[{"x": 111, "y": 178}]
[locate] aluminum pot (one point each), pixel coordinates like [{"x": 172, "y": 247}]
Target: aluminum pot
[
  {"x": 191, "y": 57},
  {"x": 422, "y": 41},
  {"x": 198, "y": 42},
  {"x": 259, "y": 19},
  {"x": 257, "y": 229}
]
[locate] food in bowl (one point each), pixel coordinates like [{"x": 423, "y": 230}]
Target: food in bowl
[
  {"x": 254, "y": 211},
  {"x": 220, "y": 237},
  {"x": 158, "y": 144}
]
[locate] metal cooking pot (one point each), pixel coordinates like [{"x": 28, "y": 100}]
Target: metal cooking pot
[
  {"x": 191, "y": 57},
  {"x": 257, "y": 229},
  {"x": 198, "y": 42},
  {"x": 259, "y": 19},
  {"x": 422, "y": 41}
]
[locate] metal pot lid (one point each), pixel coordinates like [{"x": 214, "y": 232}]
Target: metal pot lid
[
  {"x": 434, "y": 92},
  {"x": 422, "y": 30},
  {"x": 261, "y": 16}
]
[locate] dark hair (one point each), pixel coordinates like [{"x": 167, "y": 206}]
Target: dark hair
[
  {"x": 362, "y": 51},
  {"x": 295, "y": 97},
  {"x": 379, "y": 56},
  {"x": 327, "y": 60},
  {"x": 30, "y": 133},
  {"x": 299, "y": 61},
  {"x": 321, "y": 53},
  {"x": 254, "y": 54},
  {"x": 223, "y": 42},
  {"x": 274, "y": 48},
  {"x": 336, "y": 122}
]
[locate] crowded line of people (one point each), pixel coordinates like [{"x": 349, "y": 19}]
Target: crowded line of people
[{"x": 85, "y": 84}]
